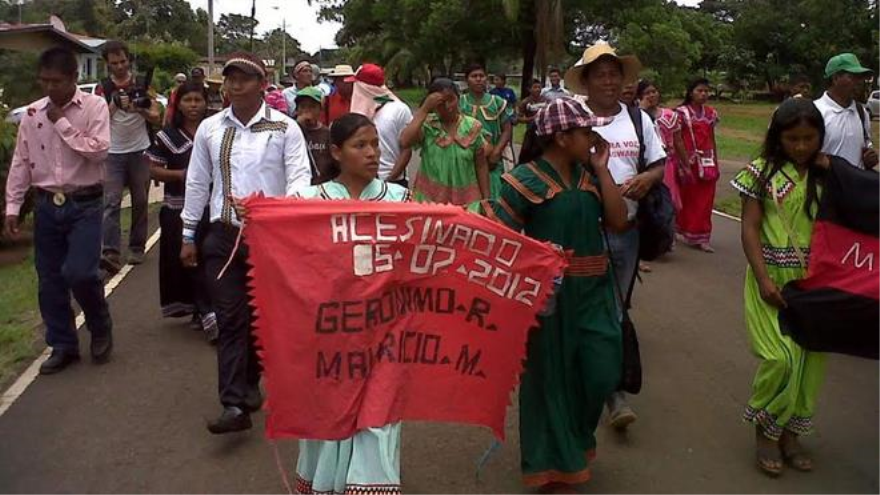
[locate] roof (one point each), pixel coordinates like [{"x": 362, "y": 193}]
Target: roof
[{"x": 39, "y": 37}]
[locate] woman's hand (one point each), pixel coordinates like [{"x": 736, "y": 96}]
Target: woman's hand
[
  {"x": 433, "y": 101},
  {"x": 771, "y": 294},
  {"x": 600, "y": 155}
]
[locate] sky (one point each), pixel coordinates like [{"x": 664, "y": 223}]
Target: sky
[{"x": 300, "y": 18}]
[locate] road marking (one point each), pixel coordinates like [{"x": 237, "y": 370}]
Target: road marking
[
  {"x": 30, "y": 374},
  {"x": 725, "y": 215}
]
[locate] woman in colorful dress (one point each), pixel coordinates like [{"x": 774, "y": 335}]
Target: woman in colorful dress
[
  {"x": 779, "y": 196},
  {"x": 694, "y": 220},
  {"x": 567, "y": 197},
  {"x": 668, "y": 123},
  {"x": 497, "y": 117},
  {"x": 453, "y": 168},
  {"x": 182, "y": 291},
  {"x": 526, "y": 112},
  {"x": 369, "y": 461}
]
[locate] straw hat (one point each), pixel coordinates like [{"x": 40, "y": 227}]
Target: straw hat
[
  {"x": 342, "y": 71},
  {"x": 574, "y": 76}
]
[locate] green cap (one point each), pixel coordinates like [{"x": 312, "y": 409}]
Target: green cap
[
  {"x": 310, "y": 92},
  {"x": 845, "y": 62}
]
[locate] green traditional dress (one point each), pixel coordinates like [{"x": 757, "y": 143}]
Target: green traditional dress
[
  {"x": 788, "y": 379},
  {"x": 369, "y": 461},
  {"x": 493, "y": 112},
  {"x": 574, "y": 360},
  {"x": 448, "y": 171}
]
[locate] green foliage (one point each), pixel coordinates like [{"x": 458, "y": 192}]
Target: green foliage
[
  {"x": 171, "y": 57},
  {"x": 234, "y": 31}
]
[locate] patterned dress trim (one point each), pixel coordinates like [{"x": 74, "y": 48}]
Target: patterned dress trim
[
  {"x": 784, "y": 257},
  {"x": 798, "y": 425}
]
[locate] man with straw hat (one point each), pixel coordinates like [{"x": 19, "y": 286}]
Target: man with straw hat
[{"x": 601, "y": 75}]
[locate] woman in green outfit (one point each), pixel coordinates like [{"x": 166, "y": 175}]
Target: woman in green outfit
[
  {"x": 779, "y": 195},
  {"x": 574, "y": 359},
  {"x": 497, "y": 118},
  {"x": 453, "y": 168}
]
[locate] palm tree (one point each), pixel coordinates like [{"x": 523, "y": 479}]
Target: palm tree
[{"x": 542, "y": 30}]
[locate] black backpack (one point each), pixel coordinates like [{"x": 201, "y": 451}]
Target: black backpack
[{"x": 656, "y": 217}]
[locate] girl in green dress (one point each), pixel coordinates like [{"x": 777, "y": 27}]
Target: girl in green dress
[
  {"x": 779, "y": 196},
  {"x": 369, "y": 461},
  {"x": 497, "y": 118},
  {"x": 567, "y": 197},
  {"x": 453, "y": 168}
]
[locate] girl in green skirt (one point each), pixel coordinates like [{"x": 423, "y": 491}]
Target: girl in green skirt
[
  {"x": 779, "y": 197},
  {"x": 566, "y": 196}
]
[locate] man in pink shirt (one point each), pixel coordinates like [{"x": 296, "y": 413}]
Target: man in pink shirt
[{"x": 62, "y": 144}]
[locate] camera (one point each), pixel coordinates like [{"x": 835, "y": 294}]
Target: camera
[{"x": 138, "y": 93}]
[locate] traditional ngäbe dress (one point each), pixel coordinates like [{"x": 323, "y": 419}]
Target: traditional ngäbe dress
[
  {"x": 493, "y": 112},
  {"x": 448, "y": 171},
  {"x": 182, "y": 290},
  {"x": 574, "y": 359},
  {"x": 369, "y": 461},
  {"x": 788, "y": 379},
  {"x": 694, "y": 220}
]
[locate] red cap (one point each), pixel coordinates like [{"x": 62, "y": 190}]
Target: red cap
[{"x": 370, "y": 74}]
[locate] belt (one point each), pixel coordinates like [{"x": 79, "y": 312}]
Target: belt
[
  {"x": 86, "y": 193},
  {"x": 587, "y": 266}
]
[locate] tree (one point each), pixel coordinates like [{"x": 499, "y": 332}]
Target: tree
[{"x": 234, "y": 32}]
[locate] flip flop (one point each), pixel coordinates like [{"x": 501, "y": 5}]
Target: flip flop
[
  {"x": 769, "y": 461},
  {"x": 799, "y": 460}
]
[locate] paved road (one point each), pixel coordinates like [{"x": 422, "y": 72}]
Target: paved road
[{"x": 137, "y": 424}]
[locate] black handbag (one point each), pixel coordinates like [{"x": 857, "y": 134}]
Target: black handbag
[{"x": 631, "y": 362}]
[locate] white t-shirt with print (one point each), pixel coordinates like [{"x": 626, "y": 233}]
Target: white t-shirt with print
[
  {"x": 624, "y": 144},
  {"x": 390, "y": 122}
]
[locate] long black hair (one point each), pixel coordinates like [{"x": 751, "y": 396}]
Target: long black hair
[
  {"x": 689, "y": 94},
  {"x": 341, "y": 130},
  {"x": 792, "y": 112},
  {"x": 182, "y": 90}
]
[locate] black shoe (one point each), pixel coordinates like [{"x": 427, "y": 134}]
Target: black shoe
[
  {"x": 57, "y": 361},
  {"x": 233, "y": 419},
  {"x": 111, "y": 264},
  {"x": 253, "y": 401},
  {"x": 102, "y": 346}
]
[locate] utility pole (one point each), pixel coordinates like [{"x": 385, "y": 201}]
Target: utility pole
[
  {"x": 210, "y": 36},
  {"x": 253, "y": 21},
  {"x": 283, "y": 48}
]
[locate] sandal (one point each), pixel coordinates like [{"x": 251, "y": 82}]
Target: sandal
[
  {"x": 706, "y": 248},
  {"x": 768, "y": 456},
  {"x": 794, "y": 454}
]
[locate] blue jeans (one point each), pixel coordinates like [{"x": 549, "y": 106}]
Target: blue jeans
[
  {"x": 624, "y": 248},
  {"x": 67, "y": 251},
  {"x": 132, "y": 171}
]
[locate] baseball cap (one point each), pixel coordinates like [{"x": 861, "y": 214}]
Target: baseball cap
[
  {"x": 370, "y": 74},
  {"x": 310, "y": 92},
  {"x": 245, "y": 62},
  {"x": 845, "y": 62},
  {"x": 563, "y": 114},
  {"x": 180, "y": 76}
]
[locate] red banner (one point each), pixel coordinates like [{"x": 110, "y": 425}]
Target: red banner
[{"x": 372, "y": 313}]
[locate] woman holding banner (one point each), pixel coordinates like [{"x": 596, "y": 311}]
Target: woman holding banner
[
  {"x": 574, "y": 360},
  {"x": 368, "y": 462},
  {"x": 780, "y": 194}
]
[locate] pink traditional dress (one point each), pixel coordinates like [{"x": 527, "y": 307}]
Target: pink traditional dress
[
  {"x": 698, "y": 194},
  {"x": 668, "y": 123}
]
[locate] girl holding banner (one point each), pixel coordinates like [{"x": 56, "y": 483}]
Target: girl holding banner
[
  {"x": 369, "y": 461},
  {"x": 780, "y": 194},
  {"x": 574, "y": 360}
]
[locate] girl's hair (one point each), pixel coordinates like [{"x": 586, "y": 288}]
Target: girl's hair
[
  {"x": 535, "y": 81},
  {"x": 643, "y": 86},
  {"x": 185, "y": 88},
  {"x": 689, "y": 94},
  {"x": 473, "y": 67},
  {"x": 792, "y": 113},
  {"x": 440, "y": 85},
  {"x": 533, "y": 145},
  {"x": 341, "y": 130}
]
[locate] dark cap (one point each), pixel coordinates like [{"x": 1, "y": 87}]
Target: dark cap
[
  {"x": 245, "y": 62},
  {"x": 197, "y": 72}
]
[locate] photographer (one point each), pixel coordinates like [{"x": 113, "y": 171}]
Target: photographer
[{"x": 133, "y": 109}]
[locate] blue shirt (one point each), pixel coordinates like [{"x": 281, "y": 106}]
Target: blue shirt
[{"x": 507, "y": 94}]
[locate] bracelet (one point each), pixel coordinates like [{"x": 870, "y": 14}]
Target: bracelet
[{"x": 188, "y": 239}]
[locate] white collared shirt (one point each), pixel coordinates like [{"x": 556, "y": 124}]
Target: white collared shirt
[
  {"x": 844, "y": 135},
  {"x": 267, "y": 155}
]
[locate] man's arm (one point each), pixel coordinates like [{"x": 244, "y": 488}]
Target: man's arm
[
  {"x": 199, "y": 176},
  {"x": 296, "y": 161},
  {"x": 403, "y": 160},
  {"x": 152, "y": 114},
  {"x": 19, "y": 179},
  {"x": 92, "y": 142}
]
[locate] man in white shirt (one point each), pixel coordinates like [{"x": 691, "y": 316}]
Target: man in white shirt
[
  {"x": 555, "y": 89},
  {"x": 245, "y": 149},
  {"x": 602, "y": 74},
  {"x": 847, "y": 122},
  {"x": 372, "y": 98}
]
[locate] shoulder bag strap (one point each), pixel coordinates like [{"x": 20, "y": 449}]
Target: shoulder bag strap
[{"x": 786, "y": 224}]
